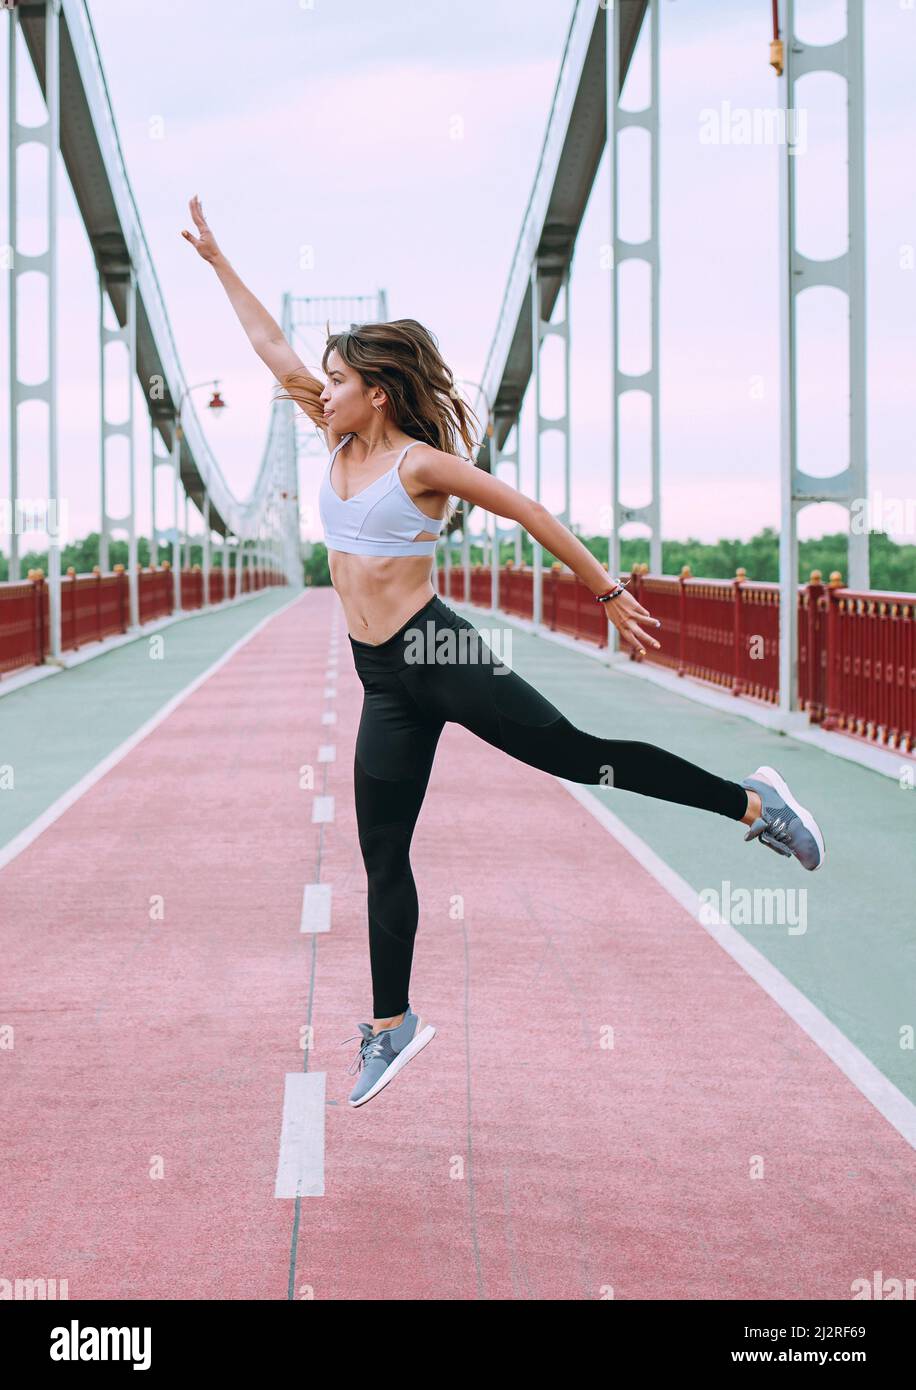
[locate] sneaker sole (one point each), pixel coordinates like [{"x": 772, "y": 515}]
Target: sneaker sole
[
  {"x": 772, "y": 776},
  {"x": 422, "y": 1036}
]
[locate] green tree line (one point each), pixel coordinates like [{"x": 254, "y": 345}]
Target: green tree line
[
  {"x": 893, "y": 566},
  {"x": 83, "y": 555}
]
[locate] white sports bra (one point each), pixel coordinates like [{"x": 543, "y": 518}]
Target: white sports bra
[{"x": 379, "y": 520}]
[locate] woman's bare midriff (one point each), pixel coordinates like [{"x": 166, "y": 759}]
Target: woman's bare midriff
[{"x": 379, "y": 594}]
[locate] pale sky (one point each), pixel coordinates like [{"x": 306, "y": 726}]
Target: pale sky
[{"x": 331, "y": 126}]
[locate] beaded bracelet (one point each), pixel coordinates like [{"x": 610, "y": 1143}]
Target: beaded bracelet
[{"x": 611, "y": 593}]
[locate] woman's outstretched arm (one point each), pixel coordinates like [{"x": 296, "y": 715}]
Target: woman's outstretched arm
[
  {"x": 458, "y": 477},
  {"x": 264, "y": 332}
]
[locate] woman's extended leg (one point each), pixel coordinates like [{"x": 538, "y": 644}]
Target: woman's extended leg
[
  {"x": 496, "y": 703},
  {"x": 466, "y": 683},
  {"x": 395, "y": 747}
]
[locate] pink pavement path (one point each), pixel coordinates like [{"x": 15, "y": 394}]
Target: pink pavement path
[{"x": 158, "y": 983}]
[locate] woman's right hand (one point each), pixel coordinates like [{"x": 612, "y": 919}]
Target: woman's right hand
[
  {"x": 623, "y": 612},
  {"x": 205, "y": 244}
]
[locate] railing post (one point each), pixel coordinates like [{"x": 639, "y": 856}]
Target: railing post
[
  {"x": 738, "y": 684},
  {"x": 119, "y": 571},
  {"x": 832, "y": 694},
  {"x": 38, "y": 614},
  {"x": 68, "y": 603},
  {"x": 551, "y": 577},
  {"x": 682, "y": 617},
  {"x": 635, "y": 584},
  {"x": 635, "y": 587},
  {"x": 96, "y": 570},
  {"x": 815, "y": 653}
]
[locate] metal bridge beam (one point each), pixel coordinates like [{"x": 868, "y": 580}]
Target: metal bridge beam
[
  {"x": 540, "y": 329},
  {"x": 45, "y": 263},
  {"x": 798, "y": 273},
  {"x": 648, "y": 250},
  {"x": 128, "y": 336},
  {"x": 498, "y": 457}
]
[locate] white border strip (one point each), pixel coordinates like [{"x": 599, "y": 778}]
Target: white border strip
[
  {"x": 896, "y": 1108},
  {"x": 63, "y": 803}
]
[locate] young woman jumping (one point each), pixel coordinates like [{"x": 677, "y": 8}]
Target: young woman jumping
[{"x": 392, "y": 420}]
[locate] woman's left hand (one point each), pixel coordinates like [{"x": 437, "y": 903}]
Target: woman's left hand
[
  {"x": 623, "y": 612},
  {"x": 205, "y": 245}
]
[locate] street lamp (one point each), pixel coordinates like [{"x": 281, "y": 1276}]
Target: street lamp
[
  {"x": 467, "y": 382},
  {"x": 493, "y": 538},
  {"x": 217, "y": 405}
]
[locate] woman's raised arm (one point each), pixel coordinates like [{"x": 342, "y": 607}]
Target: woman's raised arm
[{"x": 264, "y": 332}]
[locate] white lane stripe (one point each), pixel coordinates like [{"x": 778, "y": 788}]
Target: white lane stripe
[
  {"x": 316, "y": 908},
  {"x": 70, "y": 797},
  {"x": 896, "y": 1108},
  {"x": 329, "y": 692},
  {"x": 327, "y": 753},
  {"x": 300, "y": 1167},
  {"x": 322, "y": 810},
  {"x": 329, "y": 717}
]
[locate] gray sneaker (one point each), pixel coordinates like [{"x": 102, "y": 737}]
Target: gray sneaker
[
  {"x": 784, "y": 825},
  {"x": 382, "y": 1055}
]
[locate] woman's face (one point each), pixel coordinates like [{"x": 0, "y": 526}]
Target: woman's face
[{"x": 345, "y": 399}]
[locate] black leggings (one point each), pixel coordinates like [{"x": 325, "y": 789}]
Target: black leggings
[{"x": 438, "y": 667}]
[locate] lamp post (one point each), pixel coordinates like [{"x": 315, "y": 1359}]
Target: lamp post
[
  {"x": 217, "y": 404},
  {"x": 493, "y": 537}
]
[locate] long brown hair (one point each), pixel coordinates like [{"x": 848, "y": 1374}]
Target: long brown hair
[{"x": 403, "y": 358}]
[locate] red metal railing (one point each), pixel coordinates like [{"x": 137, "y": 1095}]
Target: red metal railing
[
  {"x": 725, "y": 632},
  {"x": 156, "y": 593},
  {"x": 871, "y": 666},
  {"x": 192, "y": 589},
  {"x": 812, "y": 646},
  {"x": 516, "y": 592},
  {"x": 216, "y": 586},
  {"x": 856, "y": 658},
  {"x": 23, "y": 624},
  {"x": 94, "y": 606}
]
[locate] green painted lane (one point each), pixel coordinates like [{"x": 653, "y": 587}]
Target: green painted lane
[
  {"x": 56, "y": 730},
  {"x": 856, "y": 957}
]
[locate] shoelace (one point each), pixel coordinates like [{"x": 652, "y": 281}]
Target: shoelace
[
  {"x": 368, "y": 1048},
  {"x": 774, "y": 835}
]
